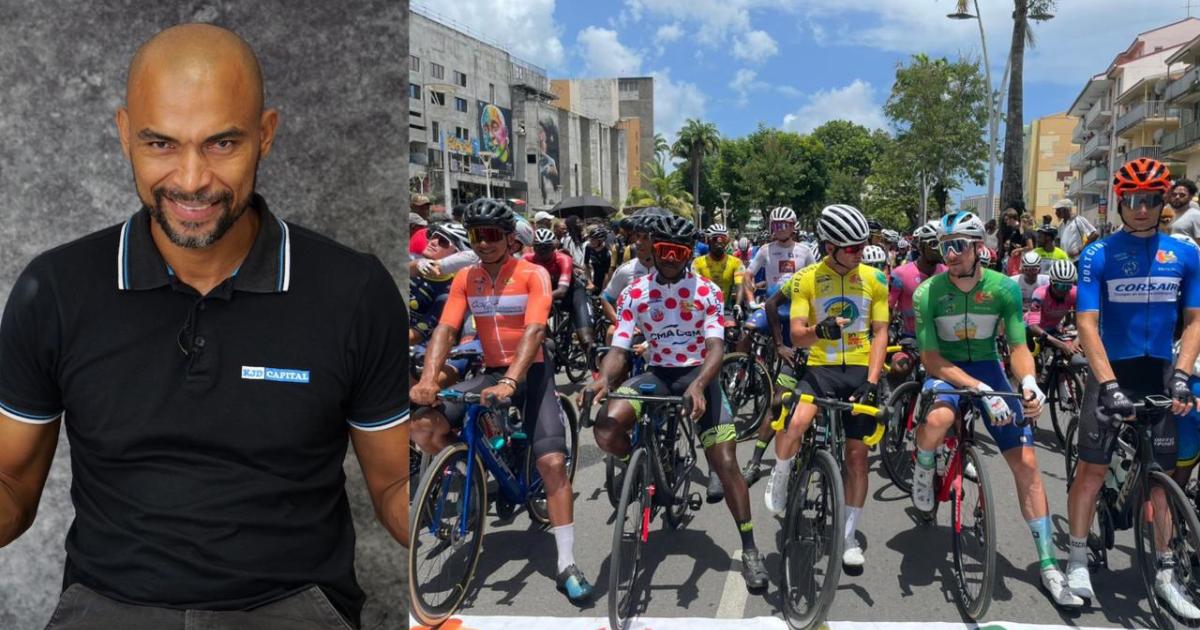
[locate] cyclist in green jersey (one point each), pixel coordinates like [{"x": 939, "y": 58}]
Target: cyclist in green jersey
[{"x": 958, "y": 314}]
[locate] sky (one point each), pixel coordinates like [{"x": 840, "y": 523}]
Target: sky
[{"x": 795, "y": 64}]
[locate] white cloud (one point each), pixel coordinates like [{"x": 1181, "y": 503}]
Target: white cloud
[
  {"x": 755, "y": 46},
  {"x": 666, "y": 34},
  {"x": 788, "y": 90},
  {"x": 745, "y": 81},
  {"x": 674, "y": 103},
  {"x": 605, "y": 56},
  {"x": 1079, "y": 42},
  {"x": 854, "y": 102},
  {"x": 715, "y": 20},
  {"x": 527, "y": 29}
]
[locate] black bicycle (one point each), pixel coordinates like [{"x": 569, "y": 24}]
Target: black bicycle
[
  {"x": 813, "y": 540},
  {"x": 1064, "y": 377},
  {"x": 657, "y": 477},
  {"x": 569, "y": 355},
  {"x": 1126, "y": 501}
]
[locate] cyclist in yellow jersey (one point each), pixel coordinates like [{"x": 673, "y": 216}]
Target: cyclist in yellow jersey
[
  {"x": 717, "y": 265},
  {"x": 839, "y": 310}
]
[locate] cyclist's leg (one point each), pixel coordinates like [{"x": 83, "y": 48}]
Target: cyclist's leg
[
  {"x": 816, "y": 382},
  {"x": 617, "y": 417},
  {"x": 433, "y": 429},
  {"x": 1188, "y": 440},
  {"x": 930, "y": 434},
  {"x": 756, "y": 322},
  {"x": 785, "y": 382},
  {"x": 581, "y": 315},
  {"x": 856, "y": 427}
]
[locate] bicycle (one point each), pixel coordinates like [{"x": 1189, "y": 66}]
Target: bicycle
[
  {"x": 657, "y": 477},
  {"x": 969, "y": 514},
  {"x": 1124, "y": 503},
  {"x": 815, "y": 512},
  {"x": 569, "y": 356},
  {"x": 470, "y": 351},
  {"x": 637, "y": 365},
  {"x": 1063, "y": 386},
  {"x": 898, "y": 447},
  {"x": 448, "y": 513},
  {"x": 747, "y": 384}
]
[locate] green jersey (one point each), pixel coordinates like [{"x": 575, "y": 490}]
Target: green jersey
[{"x": 963, "y": 326}]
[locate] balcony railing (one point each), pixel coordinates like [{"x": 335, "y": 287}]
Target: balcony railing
[
  {"x": 1154, "y": 153},
  {"x": 1095, "y": 175},
  {"x": 1077, "y": 132},
  {"x": 1181, "y": 138},
  {"x": 1143, "y": 111},
  {"x": 1078, "y": 163},
  {"x": 1186, "y": 85},
  {"x": 1097, "y": 146},
  {"x": 1099, "y": 114},
  {"x": 1074, "y": 188}
]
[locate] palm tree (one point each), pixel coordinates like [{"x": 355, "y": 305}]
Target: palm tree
[
  {"x": 662, "y": 149},
  {"x": 660, "y": 189},
  {"x": 1011, "y": 184},
  {"x": 697, "y": 140}
]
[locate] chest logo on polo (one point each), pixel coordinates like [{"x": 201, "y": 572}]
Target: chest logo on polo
[{"x": 280, "y": 375}]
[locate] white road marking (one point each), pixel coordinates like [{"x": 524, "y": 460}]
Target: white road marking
[{"x": 733, "y": 595}]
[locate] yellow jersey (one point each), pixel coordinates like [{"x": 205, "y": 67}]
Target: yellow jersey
[
  {"x": 861, "y": 296},
  {"x": 725, "y": 274}
]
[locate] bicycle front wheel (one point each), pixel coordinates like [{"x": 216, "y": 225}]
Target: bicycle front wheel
[
  {"x": 898, "y": 451},
  {"x": 1071, "y": 450},
  {"x": 1177, "y": 533},
  {"x": 747, "y": 387},
  {"x": 1067, "y": 400},
  {"x": 630, "y": 529},
  {"x": 813, "y": 542},
  {"x": 444, "y": 548},
  {"x": 973, "y": 536},
  {"x": 679, "y": 457}
]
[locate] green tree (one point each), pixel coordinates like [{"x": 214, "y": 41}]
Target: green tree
[
  {"x": 661, "y": 189},
  {"x": 662, "y": 149},
  {"x": 697, "y": 141},
  {"x": 784, "y": 169},
  {"x": 1012, "y": 180},
  {"x": 850, "y": 151},
  {"x": 938, "y": 109}
]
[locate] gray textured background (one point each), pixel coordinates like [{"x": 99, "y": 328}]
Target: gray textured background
[{"x": 339, "y": 165}]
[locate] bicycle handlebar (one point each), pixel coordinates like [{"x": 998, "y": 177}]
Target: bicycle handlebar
[
  {"x": 472, "y": 398},
  {"x": 855, "y": 408},
  {"x": 683, "y": 401}
]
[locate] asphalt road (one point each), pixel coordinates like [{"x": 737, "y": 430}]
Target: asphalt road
[{"x": 907, "y": 576}]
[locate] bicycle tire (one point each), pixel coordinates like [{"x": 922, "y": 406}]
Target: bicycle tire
[
  {"x": 975, "y": 606},
  {"x": 1074, "y": 384},
  {"x": 825, "y": 503},
  {"x": 683, "y": 457},
  {"x": 1071, "y": 450},
  {"x": 633, "y": 494},
  {"x": 745, "y": 380},
  {"x": 431, "y": 492},
  {"x": 897, "y": 451},
  {"x": 536, "y": 501},
  {"x": 577, "y": 363},
  {"x": 610, "y": 481},
  {"x": 1185, "y": 538}
]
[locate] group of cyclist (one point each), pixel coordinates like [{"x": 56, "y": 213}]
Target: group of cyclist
[{"x": 832, "y": 303}]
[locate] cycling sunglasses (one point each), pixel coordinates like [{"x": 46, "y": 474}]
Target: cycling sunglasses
[
  {"x": 1061, "y": 286},
  {"x": 485, "y": 234},
  {"x": 954, "y": 246},
  {"x": 779, "y": 226},
  {"x": 1148, "y": 199},
  {"x": 672, "y": 252},
  {"x": 719, "y": 240},
  {"x": 440, "y": 240},
  {"x": 853, "y": 249}
]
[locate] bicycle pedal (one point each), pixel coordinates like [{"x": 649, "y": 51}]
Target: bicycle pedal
[{"x": 694, "y": 502}]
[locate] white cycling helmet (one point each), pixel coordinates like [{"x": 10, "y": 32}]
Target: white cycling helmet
[
  {"x": 927, "y": 232},
  {"x": 903, "y": 244},
  {"x": 716, "y": 229},
  {"x": 874, "y": 255},
  {"x": 1062, "y": 271},
  {"x": 891, "y": 236},
  {"x": 962, "y": 225},
  {"x": 523, "y": 230},
  {"x": 783, "y": 213},
  {"x": 1031, "y": 259},
  {"x": 544, "y": 237},
  {"x": 985, "y": 256},
  {"x": 453, "y": 232},
  {"x": 842, "y": 225}
]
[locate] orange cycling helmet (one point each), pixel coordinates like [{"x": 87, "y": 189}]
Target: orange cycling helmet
[{"x": 1142, "y": 175}]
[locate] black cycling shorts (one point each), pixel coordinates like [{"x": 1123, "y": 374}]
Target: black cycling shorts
[
  {"x": 716, "y": 425},
  {"x": 534, "y": 397},
  {"x": 839, "y": 382},
  {"x": 580, "y": 306},
  {"x": 1138, "y": 377}
]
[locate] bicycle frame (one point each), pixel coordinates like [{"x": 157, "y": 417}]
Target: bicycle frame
[
  {"x": 1137, "y": 481},
  {"x": 645, "y": 436}
]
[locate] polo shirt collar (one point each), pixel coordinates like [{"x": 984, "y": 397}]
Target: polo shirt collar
[{"x": 266, "y": 269}]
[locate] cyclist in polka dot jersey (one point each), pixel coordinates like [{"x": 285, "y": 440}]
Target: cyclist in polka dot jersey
[{"x": 680, "y": 314}]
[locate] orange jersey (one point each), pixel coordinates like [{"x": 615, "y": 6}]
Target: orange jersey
[{"x": 519, "y": 297}]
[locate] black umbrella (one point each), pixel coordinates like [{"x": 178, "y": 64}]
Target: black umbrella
[{"x": 585, "y": 207}]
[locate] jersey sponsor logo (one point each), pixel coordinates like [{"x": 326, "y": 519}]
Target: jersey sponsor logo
[
  {"x": 280, "y": 375},
  {"x": 983, "y": 297},
  {"x": 966, "y": 327},
  {"x": 1152, "y": 289},
  {"x": 842, "y": 307},
  {"x": 497, "y": 306},
  {"x": 1165, "y": 256},
  {"x": 1130, "y": 267},
  {"x": 788, "y": 265},
  {"x": 656, "y": 315}
]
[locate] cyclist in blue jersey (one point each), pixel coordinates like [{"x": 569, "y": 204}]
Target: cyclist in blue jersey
[{"x": 1132, "y": 285}]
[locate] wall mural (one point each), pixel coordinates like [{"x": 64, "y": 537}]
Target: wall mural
[
  {"x": 547, "y": 159},
  {"x": 495, "y": 136}
]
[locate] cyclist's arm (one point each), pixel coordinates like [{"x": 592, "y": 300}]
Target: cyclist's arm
[
  {"x": 1189, "y": 344},
  {"x": 1020, "y": 357},
  {"x": 938, "y": 367},
  {"x": 747, "y": 293},
  {"x": 25, "y": 456},
  {"x": 714, "y": 344},
  {"x": 383, "y": 457},
  {"x": 803, "y": 335},
  {"x": 772, "y": 308},
  {"x": 879, "y": 344},
  {"x": 1088, "y": 324}
]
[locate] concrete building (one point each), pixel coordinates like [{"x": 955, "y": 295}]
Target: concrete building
[
  {"x": 1048, "y": 150},
  {"x": 1183, "y": 92},
  {"x": 626, "y": 103},
  {"x": 1124, "y": 113},
  {"x": 480, "y": 117},
  {"x": 978, "y": 205}
]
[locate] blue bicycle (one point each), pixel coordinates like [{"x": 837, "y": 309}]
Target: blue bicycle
[{"x": 447, "y": 528}]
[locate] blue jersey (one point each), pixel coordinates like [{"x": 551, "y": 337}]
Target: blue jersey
[{"x": 1138, "y": 286}]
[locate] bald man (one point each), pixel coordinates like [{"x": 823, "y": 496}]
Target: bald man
[{"x": 212, "y": 362}]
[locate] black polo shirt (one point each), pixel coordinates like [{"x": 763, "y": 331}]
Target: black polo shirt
[{"x": 208, "y": 433}]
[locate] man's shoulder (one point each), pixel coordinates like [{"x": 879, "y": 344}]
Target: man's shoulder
[
  {"x": 86, "y": 255},
  {"x": 323, "y": 251}
]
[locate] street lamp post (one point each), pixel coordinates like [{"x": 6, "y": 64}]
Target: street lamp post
[
  {"x": 486, "y": 156},
  {"x": 992, "y": 105},
  {"x": 724, "y": 207}
]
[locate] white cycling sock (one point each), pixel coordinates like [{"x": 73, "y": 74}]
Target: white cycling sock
[
  {"x": 852, "y": 514},
  {"x": 564, "y": 538},
  {"x": 783, "y": 466},
  {"x": 1078, "y": 550}
]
